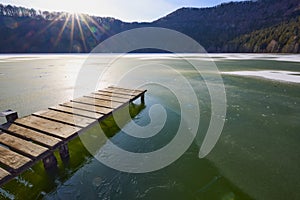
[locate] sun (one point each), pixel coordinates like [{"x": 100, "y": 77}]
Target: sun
[
  {"x": 72, "y": 6},
  {"x": 85, "y": 25}
]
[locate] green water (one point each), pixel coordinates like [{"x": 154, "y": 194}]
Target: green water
[{"x": 256, "y": 157}]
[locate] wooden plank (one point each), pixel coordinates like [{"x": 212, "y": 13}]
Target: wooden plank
[
  {"x": 124, "y": 91},
  {"x": 91, "y": 108},
  {"x": 3, "y": 174},
  {"x": 108, "y": 98},
  {"x": 60, "y": 130},
  {"x": 22, "y": 146},
  {"x": 12, "y": 159},
  {"x": 75, "y": 111},
  {"x": 65, "y": 118},
  {"x": 115, "y": 92},
  {"x": 97, "y": 102},
  {"x": 35, "y": 136},
  {"x": 128, "y": 90},
  {"x": 110, "y": 94}
]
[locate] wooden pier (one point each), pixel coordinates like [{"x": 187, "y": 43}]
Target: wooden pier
[{"x": 27, "y": 140}]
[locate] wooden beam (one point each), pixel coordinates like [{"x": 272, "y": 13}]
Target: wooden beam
[
  {"x": 88, "y": 107},
  {"x": 117, "y": 92},
  {"x": 109, "y": 94},
  {"x": 125, "y": 89},
  {"x": 97, "y": 102},
  {"x": 4, "y": 175},
  {"x": 63, "y": 131},
  {"x": 65, "y": 118},
  {"x": 22, "y": 146},
  {"x": 75, "y": 111},
  {"x": 34, "y": 136},
  {"x": 12, "y": 160},
  {"x": 107, "y": 98}
]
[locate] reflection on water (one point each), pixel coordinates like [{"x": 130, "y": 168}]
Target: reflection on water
[{"x": 257, "y": 156}]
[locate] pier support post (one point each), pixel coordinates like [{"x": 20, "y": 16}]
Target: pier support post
[
  {"x": 64, "y": 151},
  {"x": 10, "y": 115},
  {"x": 50, "y": 161},
  {"x": 143, "y": 98}
]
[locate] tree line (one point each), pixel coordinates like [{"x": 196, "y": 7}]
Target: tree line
[
  {"x": 249, "y": 26},
  {"x": 16, "y": 11}
]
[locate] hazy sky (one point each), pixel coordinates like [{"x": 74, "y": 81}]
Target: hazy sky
[{"x": 126, "y": 10}]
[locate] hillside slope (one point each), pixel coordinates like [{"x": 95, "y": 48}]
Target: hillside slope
[
  {"x": 283, "y": 38},
  {"x": 215, "y": 27},
  {"x": 249, "y": 26}
]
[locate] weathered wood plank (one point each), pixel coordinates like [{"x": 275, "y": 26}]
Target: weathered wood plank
[
  {"x": 22, "y": 146},
  {"x": 3, "y": 174},
  {"x": 107, "y": 98},
  {"x": 60, "y": 130},
  {"x": 128, "y": 90},
  {"x": 92, "y": 108},
  {"x": 97, "y": 102},
  {"x": 65, "y": 118},
  {"x": 35, "y": 136},
  {"x": 12, "y": 159},
  {"x": 124, "y": 91},
  {"x": 115, "y": 92},
  {"x": 75, "y": 111},
  {"x": 110, "y": 94}
]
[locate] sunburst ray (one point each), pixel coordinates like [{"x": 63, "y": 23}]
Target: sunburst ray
[
  {"x": 62, "y": 30},
  {"x": 81, "y": 32}
]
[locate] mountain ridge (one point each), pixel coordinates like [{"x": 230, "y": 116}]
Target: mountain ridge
[{"x": 227, "y": 27}]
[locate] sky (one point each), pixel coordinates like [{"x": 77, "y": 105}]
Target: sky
[{"x": 125, "y": 10}]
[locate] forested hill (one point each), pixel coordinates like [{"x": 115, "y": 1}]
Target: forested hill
[
  {"x": 282, "y": 38},
  {"x": 215, "y": 27},
  {"x": 249, "y": 26}
]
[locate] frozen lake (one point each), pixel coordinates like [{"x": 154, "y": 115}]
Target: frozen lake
[{"x": 256, "y": 157}]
